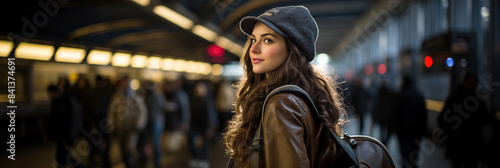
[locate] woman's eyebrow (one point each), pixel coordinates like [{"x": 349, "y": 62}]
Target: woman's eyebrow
[{"x": 265, "y": 34}]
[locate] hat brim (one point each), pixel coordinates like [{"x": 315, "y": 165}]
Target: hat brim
[{"x": 248, "y": 22}]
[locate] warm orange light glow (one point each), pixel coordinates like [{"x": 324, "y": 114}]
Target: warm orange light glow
[
  {"x": 167, "y": 64},
  {"x": 34, "y": 51},
  {"x": 217, "y": 69},
  {"x": 99, "y": 57},
  {"x": 173, "y": 16},
  {"x": 71, "y": 55},
  {"x": 205, "y": 33},
  {"x": 5, "y": 48},
  {"x": 139, "y": 61},
  {"x": 121, "y": 59},
  {"x": 154, "y": 63}
]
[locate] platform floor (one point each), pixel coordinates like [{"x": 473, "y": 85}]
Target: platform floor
[{"x": 42, "y": 155}]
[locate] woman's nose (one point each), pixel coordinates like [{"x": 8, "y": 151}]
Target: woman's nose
[{"x": 255, "y": 48}]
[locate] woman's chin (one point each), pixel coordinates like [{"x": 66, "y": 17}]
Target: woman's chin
[{"x": 257, "y": 71}]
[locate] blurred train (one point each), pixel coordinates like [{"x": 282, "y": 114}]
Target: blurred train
[{"x": 436, "y": 44}]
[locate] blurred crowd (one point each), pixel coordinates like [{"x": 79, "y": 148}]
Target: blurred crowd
[
  {"x": 462, "y": 126},
  {"x": 145, "y": 117},
  {"x": 142, "y": 117}
]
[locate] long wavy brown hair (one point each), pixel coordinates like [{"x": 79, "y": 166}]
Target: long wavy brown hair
[{"x": 253, "y": 88}]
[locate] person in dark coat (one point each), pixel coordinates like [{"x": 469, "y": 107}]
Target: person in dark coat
[
  {"x": 359, "y": 102},
  {"x": 65, "y": 123},
  {"x": 155, "y": 103},
  {"x": 411, "y": 121},
  {"x": 384, "y": 113},
  {"x": 96, "y": 107},
  {"x": 461, "y": 120},
  {"x": 204, "y": 121}
]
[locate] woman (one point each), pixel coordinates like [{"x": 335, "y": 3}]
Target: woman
[{"x": 279, "y": 49}]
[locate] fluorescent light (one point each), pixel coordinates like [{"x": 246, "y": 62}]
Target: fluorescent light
[
  {"x": 142, "y": 2},
  {"x": 217, "y": 69},
  {"x": 204, "y": 32},
  {"x": 154, "y": 63},
  {"x": 34, "y": 51},
  {"x": 120, "y": 59},
  {"x": 71, "y": 55},
  {"x": 200, "y": 67},
  {"x": 139, "y": 61},
  {"x": 179, "y": 65},
  {"x": 99, "y": 57},
  {"x": 5, "y": 48},
  {"x": 236, "y": 49},
  {"x": 190, "y": 66},
  {"x": 168, "y": 64},
  {"x": 229, "y": 45},
  {"x": 173, "y": 16},
  {"x": 223, "y": 42},
  {"x": 207, "y": 69}
]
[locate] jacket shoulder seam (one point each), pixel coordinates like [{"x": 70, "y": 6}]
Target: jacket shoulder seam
[{"x": 281, "y": 97}]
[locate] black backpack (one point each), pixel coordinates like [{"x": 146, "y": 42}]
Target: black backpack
[{"x": 358, "y": 150}]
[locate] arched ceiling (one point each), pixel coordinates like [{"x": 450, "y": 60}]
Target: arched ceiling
[{"x": 126, "y": 25}]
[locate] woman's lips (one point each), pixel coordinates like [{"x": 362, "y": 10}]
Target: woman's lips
[{"x": 256, "y": 60}]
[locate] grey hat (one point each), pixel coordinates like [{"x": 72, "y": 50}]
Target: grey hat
[{"x": 293, "y": 22}]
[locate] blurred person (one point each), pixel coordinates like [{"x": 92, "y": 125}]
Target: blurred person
[
  {"x": 82, "y": 88},
  {"x": 359, "y": 101},
  {"x": 462, "y": 120},
  {"x": 128, "y": 115},
  {"x": 411, "y": 121},
  {"x": 52, "y": 93},
  {"x": 96, "y": 107},
  {"x": 385, "y": 111},
  {"x": 65, "y": 123},
  {"x": 224, "y": 102},
  {"x": 372, "y": 88},
  {"x": 178, "y": 113},
  {"x": 204, "y": 121},
  {"x": 280, "y": 46},
  {"x": 143, "y": 145},
  {"x": 155, "y": 103}
]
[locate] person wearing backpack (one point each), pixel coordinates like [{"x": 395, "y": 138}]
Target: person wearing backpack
[{"x": 281, "y": 44}]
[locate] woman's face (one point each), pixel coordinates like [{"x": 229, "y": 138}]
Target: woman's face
[{"x": 268, "y": 50}]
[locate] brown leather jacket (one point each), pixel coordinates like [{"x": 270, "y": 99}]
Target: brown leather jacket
[{"x": 291, "y": 134}]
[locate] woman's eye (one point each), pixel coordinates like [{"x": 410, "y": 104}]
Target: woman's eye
[
  {"x": 268, "y": 41},
  {"x": 253, "y": 41}
]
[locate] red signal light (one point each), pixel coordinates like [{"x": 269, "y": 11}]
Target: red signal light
[
  {"x": 215, "y": 51},
  {"x": 382, "y": 69},
  {"x": 428, "y": 61}
]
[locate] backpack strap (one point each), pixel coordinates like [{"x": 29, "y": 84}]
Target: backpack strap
[{"x": 257, "y": 141}]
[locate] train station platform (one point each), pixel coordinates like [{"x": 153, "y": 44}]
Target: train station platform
[{"x": 42, "y": 155}]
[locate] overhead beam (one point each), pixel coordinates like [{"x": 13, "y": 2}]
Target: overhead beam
[
  {"x": 242, "y": 10},
  {"x": 104, "y": 27},
  {"x": 378, "y": 13}
]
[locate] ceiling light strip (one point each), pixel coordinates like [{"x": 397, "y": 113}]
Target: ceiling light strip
[
  {"x": 34, "y": 51},
  {"x": 173, "y": 16},
  {"x": 71, "y": 55}
]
